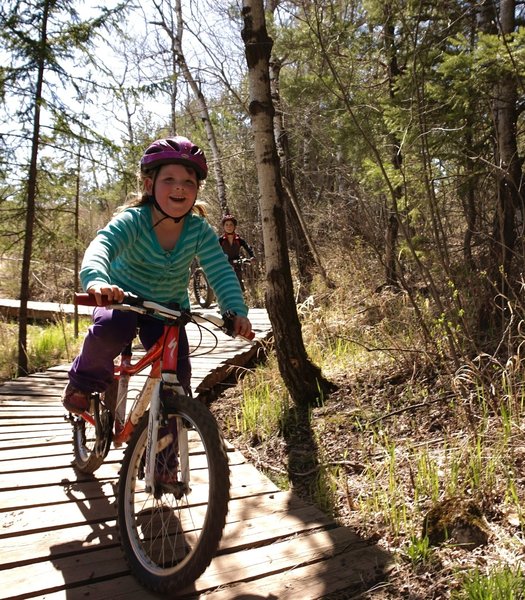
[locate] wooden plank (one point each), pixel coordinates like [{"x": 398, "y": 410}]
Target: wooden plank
[
  {"x": 63, "y": 455},
  {"x": 64, "y": 476},
  {"x": 15, "y": 444},
  {"x": 13, "y": 389},
  {"x": 244, "y": 482},
  {"x": 44, "y": 576},
  {"x": 23, "y": 410},
  {"x": 59, "y": 459},
  {"x": 43, "y": 376},
  {"x": 20, "y": 440},
  {"x": 29, "y": 421},
  {"x": 27, "y": 431},
  {"x": 28, "y": 497},
  {"x": 118, "y": 586},
  {"x": 39, "y": 438},
  {"x": 279, "y": 557},
  {"x": 25, "y": 498},
  {"x": 14, "y": 454},
  {"x": 347, "y": 570},
  {"x": 41, "y": 310}
]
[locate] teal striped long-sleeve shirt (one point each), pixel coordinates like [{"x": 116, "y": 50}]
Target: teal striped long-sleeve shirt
[{"x": 126, "y": 253}]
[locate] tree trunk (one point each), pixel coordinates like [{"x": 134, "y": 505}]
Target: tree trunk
[
  {"x": 22, "y": 367},
  {"x": 303, "y": 379},
  {"x": 304, "y": 248},
  {"x": 392, "y": 226},
  {"x": 510, "y": 201},
  {"x": 76, "y": 253},
  {"x": 468, "y": 195}
]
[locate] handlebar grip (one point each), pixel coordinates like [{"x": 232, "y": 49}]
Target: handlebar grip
[
  {"x": 227, "y": 326},
  {"x": 85, "y": 299},
  {"x": 229, "y": 331}
]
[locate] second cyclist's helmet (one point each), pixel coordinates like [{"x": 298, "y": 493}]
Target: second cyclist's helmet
[
  {"x": 229, "y": 218},
  {"x": 175, "y": 150}
]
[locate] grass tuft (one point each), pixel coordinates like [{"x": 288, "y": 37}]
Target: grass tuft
[
  {"x": 501, "y": 583},
  {"x": 47, "y": 344}
]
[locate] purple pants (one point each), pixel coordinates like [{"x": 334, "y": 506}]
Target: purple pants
[{"x": 111, "y": 332}]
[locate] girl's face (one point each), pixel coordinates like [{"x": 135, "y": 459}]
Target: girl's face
[
  {"x": 176, "y": 188},
  {"x": 229, "y": 226}
]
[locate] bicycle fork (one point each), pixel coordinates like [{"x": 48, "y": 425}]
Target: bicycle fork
[
  {"x": 151, "y": 444},
  {"x": 154, "y": 445},
  {"x": 168, "y": 381}
]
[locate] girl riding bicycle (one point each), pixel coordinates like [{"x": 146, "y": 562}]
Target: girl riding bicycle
[
  {"x": 232, "y": 244},
  {"x": 147, "y": 249}
]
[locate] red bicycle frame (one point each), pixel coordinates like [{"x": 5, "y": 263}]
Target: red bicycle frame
[{"x": 162, "y": 357}]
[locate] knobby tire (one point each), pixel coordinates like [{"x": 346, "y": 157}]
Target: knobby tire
[{"x": 169, "y": 542}]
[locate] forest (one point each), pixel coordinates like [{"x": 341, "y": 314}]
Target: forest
[{"x": 372, "y": 151}]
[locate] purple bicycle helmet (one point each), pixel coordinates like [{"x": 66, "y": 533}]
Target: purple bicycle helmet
[{"x": 175, "y": 150}]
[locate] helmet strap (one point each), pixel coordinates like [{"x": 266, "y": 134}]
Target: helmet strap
[{"x": 166, "y": 216}]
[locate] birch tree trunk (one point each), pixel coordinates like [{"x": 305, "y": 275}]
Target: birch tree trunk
[
  {"x": 175, "y": 35},
  {"x": 302, "y": 378}
]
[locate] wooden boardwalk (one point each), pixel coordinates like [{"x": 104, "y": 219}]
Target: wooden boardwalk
[
  {"x": 57, "y": 526},
  {"x": 9, "y": 308}
]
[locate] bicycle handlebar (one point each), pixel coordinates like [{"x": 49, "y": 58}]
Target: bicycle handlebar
[{"x": 142, "y": 306}]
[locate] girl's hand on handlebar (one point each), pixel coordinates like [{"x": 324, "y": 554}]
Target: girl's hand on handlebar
[
  {"x": 112, "y": 292},
  {"x": 242, "y": 326}
]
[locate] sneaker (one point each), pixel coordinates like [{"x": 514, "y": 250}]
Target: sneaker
[{"x": 75, "y": 401}]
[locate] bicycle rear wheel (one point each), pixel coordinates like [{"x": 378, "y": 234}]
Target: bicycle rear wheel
[
  {"x": 91, "y": 443},
  {"x": 170, "y": 534},
  {"x": 202, "y": 289}
]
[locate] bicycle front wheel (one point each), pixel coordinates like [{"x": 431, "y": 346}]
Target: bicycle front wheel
[
  {"x": 202, "y": 289},
  {"x": 170, "y": 534}
]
